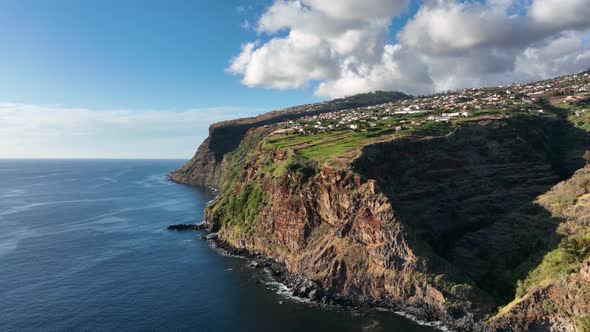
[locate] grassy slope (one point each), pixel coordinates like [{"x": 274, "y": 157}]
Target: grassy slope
[
  {"x": 567, "y": 201},
  {"x": 322, "y": 147},
  {"x": 238, "y": 203},
  {"x": 561, "y": 262},
  {"x": 325, "y": 146}
]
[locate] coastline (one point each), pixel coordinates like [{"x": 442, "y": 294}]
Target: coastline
[
  {"x": 305, "y": 289},
  {"x": 311, "y": 292},
  {"x": 416, "y": 222}
]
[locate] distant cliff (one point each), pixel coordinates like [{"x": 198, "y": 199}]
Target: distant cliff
[
  {"x": 482, "y": 223},
  {"x": 204, "y": 168}
]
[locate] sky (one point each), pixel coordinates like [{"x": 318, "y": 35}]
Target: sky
[{"x": 145, "y": 78}]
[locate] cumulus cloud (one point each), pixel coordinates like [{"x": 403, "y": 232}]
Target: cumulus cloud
[
  {"x": 448, "y": 27},
  {"x": 473, "y": 43},
  {"x": 565, "y": 53},
  {"x": 354, "y": 9},
  {"x": 561, "y": 14},
  {"x": 325, "y": 41},
  {"x": 285, "y": 63},
  {"x": 51, "y": 131},
  {"x": 397, "y": 70},
  {"x": 345, "y": 47}
]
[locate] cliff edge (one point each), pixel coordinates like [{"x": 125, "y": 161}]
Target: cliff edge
[
  {"x": 224, "y": 137},
  {"x": 477, "y": 218}
]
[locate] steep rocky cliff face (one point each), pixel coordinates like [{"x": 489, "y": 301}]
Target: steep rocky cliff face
[
  {"x": 556, "y": 294},
  {"x": 471, "y": 195},
  {"x": 203, "y": 169},
  {"x": 561, "y": 305},
  {"x": 336, "y": 228},
  {"x": 452, "y": 223}
]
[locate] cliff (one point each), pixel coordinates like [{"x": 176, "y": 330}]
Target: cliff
[
  {"x": 556, "y": 294},
  {"x": 481, "y": 223},
  {"x": 205, "y": 167}
]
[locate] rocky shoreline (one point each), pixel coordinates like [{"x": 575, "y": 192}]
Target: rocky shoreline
[{"x": 305, "y": 288}]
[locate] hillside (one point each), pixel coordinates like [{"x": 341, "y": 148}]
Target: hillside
[
  {"x": 467, "y": 207},
  {"x": 224, "y": 137}
]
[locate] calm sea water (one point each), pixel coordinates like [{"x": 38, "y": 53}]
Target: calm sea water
[{"x": 83, "y": 247}]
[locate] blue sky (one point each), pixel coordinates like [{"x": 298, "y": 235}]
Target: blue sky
[
  {"x": 145, "y": 78},
  {"x": 136, "y": 54}
]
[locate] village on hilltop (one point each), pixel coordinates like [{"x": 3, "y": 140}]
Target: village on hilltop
[{"x": 570, "y": 92}]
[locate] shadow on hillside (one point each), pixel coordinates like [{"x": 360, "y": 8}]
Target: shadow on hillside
[{"x": 471, "y": 196}]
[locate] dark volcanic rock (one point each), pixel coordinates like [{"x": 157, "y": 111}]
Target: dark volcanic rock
[
  {"x": 304, "y": 287},
  {"x": 187, "y": 227},
  {"x": 212, "y": 236}
]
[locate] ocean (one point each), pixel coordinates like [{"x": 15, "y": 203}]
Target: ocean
[{"x": 84, "y": 247}]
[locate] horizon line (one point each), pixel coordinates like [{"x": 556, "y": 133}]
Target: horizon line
[{"x": 90, "y": 158}]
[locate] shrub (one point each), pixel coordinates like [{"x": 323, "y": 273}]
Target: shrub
[
  {"x": 566, "y": 259},
  {"x": 583, "y": 324}
]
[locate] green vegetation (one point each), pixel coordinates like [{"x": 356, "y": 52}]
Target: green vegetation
[
  {"x": 242, "y": 194},
  {"x": 583, "y": 324},
  {"x": 566, "y": 259},
  {"x": 432, "y": 128},
  {"x": 581, "y": 121},
  {"x": 302, "y": 170},
  {"x": 559, "y": 201},
  {"x": 239, "y": 203},
  {"x": 325, "y": 146},
  {"x": 238, "y": 159},
  {"x": 468, "y": 198},
  {"x": 322, "y": 147},
  {"x": 326, "y": 149},
  {"x": 371, "y": 98},
  {"x": 240, "y": 210}
]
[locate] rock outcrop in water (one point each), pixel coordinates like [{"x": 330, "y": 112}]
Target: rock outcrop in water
[
  {"x": 447, "y": 227},
  {"x": 187, "y": 227}
]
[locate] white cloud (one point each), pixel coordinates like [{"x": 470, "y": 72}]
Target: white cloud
[
  {"x": 240, "y": 62},
  {"x": 326, "y": 41},
  {"x": 345, "y": 46},
  {"x": 563, "y": 54},
  {"x": 451, "y": 27},
  {"x": 397, "y": 70},
  {"x": 34, "y": 131},
  {"x": 354, "y": 9},
  {"x": 561, "y": 14},
  {"x": 285, "y": 63},
  {"x": 472, "y": 44}
]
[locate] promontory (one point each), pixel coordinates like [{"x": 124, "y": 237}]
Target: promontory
[{"x": 470, "y": 207}]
